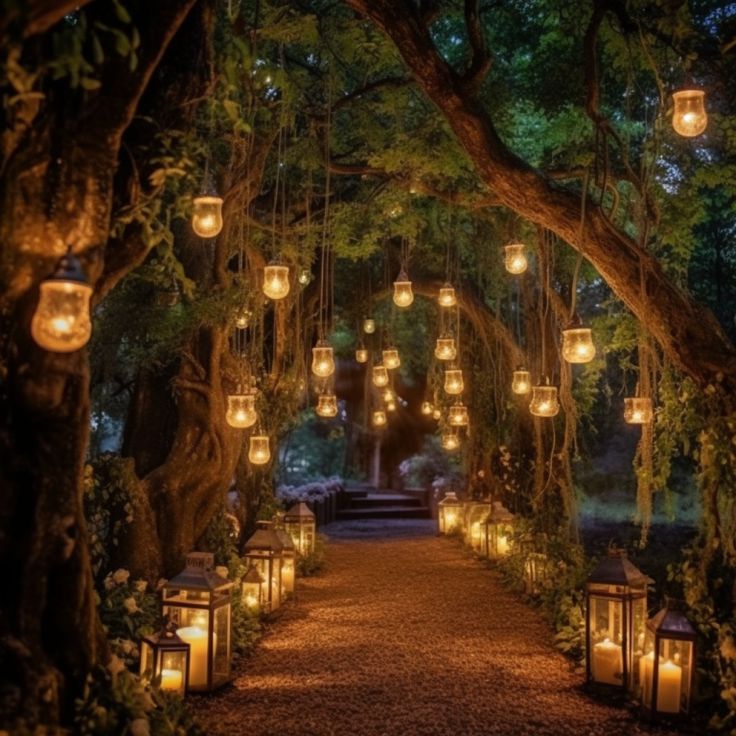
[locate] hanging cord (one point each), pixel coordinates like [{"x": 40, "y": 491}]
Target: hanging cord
[
  {"x": 325, "y": 266},
  {"x": 581, "y": 235}
]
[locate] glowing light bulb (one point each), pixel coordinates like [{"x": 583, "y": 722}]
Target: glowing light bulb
[{"x": 379, "y": 418}]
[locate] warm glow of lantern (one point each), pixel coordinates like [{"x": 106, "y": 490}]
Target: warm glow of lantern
[
  {"x": 544, "y": 401},
  {"x": 515, "y": 258},
  {"x": 380, "y": 376},
  {"x": 241, "y": 412},
  {"x": 458, "y": 415},
  {"x": 388, "y": 395},
  {"x": 522, "y": 382},
  {"x": 259, "y": 450},
  {"x": 369, "y": 326},
  {"x": 445, "y": 348},
  {"x": 436, "y": 414},
  {"x": 450, "y": 441},
  {"x": 361, "y": 355},
  {"x": 638, "y": 410},
  {"x": 379, "y": 418},
  {"x": 323, "y": 360},
  {"x": 305, "y": 276},
  {"x": 326, "y": 405},
  {"x": 447, "y": 296},
  {"x": 207, "y": 216},
  {"x": 403, "y": 294},
  {"x": 454, "y": 383},
  {"x": 577, "y": 345},
  {"x": 391, "y": 358},
  {"x": 242, "y": 318},
  {"x": 391, "y": 405},
  {"x": 276, "y": 281},
  {"x": 426, "y": 408},
  {"x": 689, "y": 118}
]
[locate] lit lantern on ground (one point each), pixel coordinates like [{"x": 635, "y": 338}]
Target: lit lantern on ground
[
  {"x": 458, "y": 415},
  {"x": 326, "y": 405},
  {"x": 369, "y": 326},
  {"x": 521, "y": 383},
  {"x": 379, "y": 376},
  {"x": 638, "y": 410},
  {"x": 403, "y": 294},
  {"x": 361, "y": 355},
  {"x": 498, "y": 527},
  {"x": 276, "y": 281},
  {"x": 207, "y": 215},
  {"x": 300, "y": 523},
  {"x": 449, "y": 513},
  {"x": 378, "y": 418},
  {"x": 476, "y": 514},
  {"x": 391, "y": 358},
  {"x": 689, "y": 118},
  {"x": 241, "y": 412},
  {"x": 577, "y": 345},
  {"x": 666, "y": 679},
  {"x": 544, "y": 401},
  {"x": 447, "y": 296},
  {"x": 288, "y": 571},
  {"x": 515, "y": 258},
  {"x": 426, "y": 408},
  {"x": 197, "y": 602},
  {"x": 265, "y": 551},
  {"x": 252, "y": 588},
  {"x": 61, "y": 322},
  {"x": 259, "y": 449},
  {"x": 616, "y": 602},
  {"x": 323, "y": 360},
  {"x": 450, "y": 441},
  {"x": 436, "y": 414},
  {"x": 536, "y": 571},
  {"x": 165, "y": 656},
  {"x": 454, "y": 384},
  {"x": 445, "y": 348}
]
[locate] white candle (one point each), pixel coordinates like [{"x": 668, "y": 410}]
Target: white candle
[
  {"x": 171, "y": 679},
  {"x": 669, "y": 687},
  {"x": 645, "y": 677},
  {"x": 608, "y": 662},
  {"x": 199, "y": 649},
  {"x": 503, "y": 545},
  {"x": 287, "y": 577}
]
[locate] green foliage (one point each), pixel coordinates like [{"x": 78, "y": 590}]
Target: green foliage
[
  {"x": 245, "y": 624},
  {"x": 221, "y": 537},
  {"x": 312, "y": 564},
  {"x": 430, "y": 465}
]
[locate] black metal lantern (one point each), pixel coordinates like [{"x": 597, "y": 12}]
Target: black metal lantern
[
  {"x": 166, "y": 656},
  {"x": 265, "y": 551},
  {"x": 299, "y": 522},
  {"x": 616, "y": 602},
  {"x": 253, "y": 590},
  {"x": 497, "y": 532},
  {"x": 666, "y": 669}
]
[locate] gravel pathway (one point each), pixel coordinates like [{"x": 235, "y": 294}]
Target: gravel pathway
[{"x": 405, "y": 634}]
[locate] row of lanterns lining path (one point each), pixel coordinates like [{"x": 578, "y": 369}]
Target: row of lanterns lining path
[
  {"x": 620, "y": 641},
  {"x": 192, "y": 653}
]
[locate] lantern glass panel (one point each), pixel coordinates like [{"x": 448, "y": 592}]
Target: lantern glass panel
[
  {"x": 454, "y": 384},
  {"x": 577, "y": 345},
  {"x": 391, "y": 358},
  {"x": 638, "y": 410},
  {"x": 521, "y": 383},
  {"x": 327, "y": 405},
  {"x": 426, "y": 408},
  {"x": 474, "y": 529},
  {"x": 403, "y": 294},
  {"x": 323, "y": 360},
  {"x": 259, "y": 450},
  {"x": 276, "y": 281},
  {"x": 61, "y": 322},
  {"x": 380, "y": 376},
  {"x": 241, "y": 412},
  {"x": 369, "y": 326},
  {"x": 449, "y": 513},
  {"x": 445, "y": 348},
  {"x": 689, "y": 118},
  {"x": 221, "y": 640},
  {"x": 544, "y": 401},
  {"x": 207, "y": 216},
  {"x": 458, "y": 415},
  {"x": 515, "y": 258},
  {"x": 447, "y": 296},
  {"x": 361, "y": 355}
]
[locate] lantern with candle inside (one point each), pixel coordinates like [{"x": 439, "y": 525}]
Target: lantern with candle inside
[
  {"x": 253, "y": 589},
  {"x": 241, "y": 412},
  {"x": 450, "y": 511},
  {"x": 369, "y": 326},
  {"x": 496, "y": 532},
  {"x": 197, "y": 602},
  {"x": 454, "y": 383},
  {"x": 378, "y": 418},
  {"x": 616, "y": 604},
  {"x": 323, "y": 360},
  {"x": 436, "y": 414},
  {"x": 403, "y": 294},
  {"x": 537, "y": 567},
  {"x": 577, "y": 344},
  {"x": 521, "y": 384},
  {"x": 305, "y": 276},
  {"x": 207, "y": 215},
  {"x": 326, "y": 405},
  {"x": 276, "y": 281},
  {"x": 165, "y": 656},
  {"x": 689, "y": 118},
  {"x": 445, "y": 348},
  {"x": 259, "y": 449},
  {"x": 447, "y": 296},
  {"x": 388, "y": 395},
  {"x": 288, "y": 571},
  {"x": 391, "y": 358},
  {"x": 638, "y": 410},
  {"x": 361, "y": 355},
  {"x": 666, "y": 680},
  {"x": 379, "y": 376},
  {"x": 300, "y": 523},
  {"x": 515, "y": 258},
  {"x": 544, "y": 401},
  {"x": 61, "y": 321},
  {"x": 265, "y": 551},
  {"x": 457, "y": 415},
  {"x": 426, "y": 408},
  {"x": 475, "y": 515},
  {"x": 450, "y": 441}
]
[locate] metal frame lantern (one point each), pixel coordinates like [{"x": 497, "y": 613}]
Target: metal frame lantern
[
  {"x": 536, "y": 571},
  {"x": 450, "y": 510},
  {"x": 497, "y": 529},
  {"x": 475, "y": 518},
  {"x": 198, "y": 602},
  {"x": 166, "y": 656},
  {"x": 615, "y": 622},
  {"x": 252, "y": 588},
  {"x": 301, "y": 524},
  {"x": 450, "y": 440},
  {"x": 265, "y": 551},
  {"x": 666, "y": 679},
  {"x": 288, "y": 571}
]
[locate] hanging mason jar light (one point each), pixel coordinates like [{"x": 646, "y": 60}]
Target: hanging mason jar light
[
  {"x": 454, "y": 383},
  {"x": 259, "y": 449},
  {"x": 361, "y": 355},
  {"x": 426, "y": 408},
  {"x": 391, "y": 406},
  {"x": 326, "y": 405},
  {"x": 207, "y": 215},
  {"x": 447, "y": 297},
  {"x": 391, "y": 358},
  {"x": 521, "y": 383},
  {"x": 241, "y": 412},
  {"x": 242, "y": 318},
  {"x": 544, "y": 401},
  {"x": 458, "y": 415},
  {"x": 276, "y": 281},
  {"x": 61, "y": 322},
  {"x": 378, "y": 418},
  {"x": 388, "y": 395},
  {"x": 689, "y": 118},
  {"x": 445, "y": 348},
  {"x": 323, "y": 360},
  {"x": 638, "y": 410},
  {"x": 380, "y": 376},
  {"x": 369, "y": 326},
  {"x": 436, "y": 414},
  {"x": 305, "y": 276},
  {"x": 403, "y": 294},
  {"x": 450, "y": 441},
  {"x": 577, "y": 343},
  {"x": 515, "y": 258}
]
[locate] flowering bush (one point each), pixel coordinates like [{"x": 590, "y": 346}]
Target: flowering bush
[{"x": 314, "y": 491}]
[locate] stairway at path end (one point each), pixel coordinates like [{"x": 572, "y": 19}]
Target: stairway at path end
[{"x": 369, "y": 503}]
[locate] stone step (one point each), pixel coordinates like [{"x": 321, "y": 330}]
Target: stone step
[
  {"x": 385, "y": 512},
  {"x": 385, "y": 499}
]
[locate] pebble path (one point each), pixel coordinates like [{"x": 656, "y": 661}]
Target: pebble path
[{"x": 404, "y": 633}]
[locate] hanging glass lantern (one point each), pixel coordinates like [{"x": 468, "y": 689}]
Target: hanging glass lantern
[
  {"x": 515, "y": 258},
  {"x": 403, "y": 294},
  {"x": 61, "y": 322},
  {"x": 242, "y": 318},
  {"x": 265, "y": 551},
  {"x": 241, "y": 412},
  {"x": 522, "y": 382},
  {"x": 445, "y": 348},
  {"x": 252, "y": 588},
  {"x": 449, "y": 513},
  {"x": 458, "y": 415},
  {"x": 454, "y": 383},
  {"x": 276, "y": 281},
  {"x": 165, "y": 656},
  {"x": 361, "y": 355},
  {"x": 450, "y": 441},
  {"x": 638, "y": 410},
  {"x": 369, "y": 326},
  {"x": 447, "y": 296},
  {"x": 497, "y": 529},
  {"x": 326, "y": 405},
  {"x": 300, "y": 523},
  {"x": 379, "y": 418},
  {"x": 436, "y": 414},
  {"x": 388, "y": 395},
  {"x": 689, "y": 118},
  {"x": 544, "y": 401},
  {"x": 577, "y": 345},
  {"x": 259, "y": 450},
  {"x": 426, "y": 408},
  {"x": 380, "y": 376},
  {"x": 207, "y": 215},
  {"x": 305, "y": 276},
  {"x": 323, "y": 360},
  {"x": 391, "y": 358}
]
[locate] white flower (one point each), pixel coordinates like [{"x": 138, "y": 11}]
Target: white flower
[
  {"x": 120, "y": 576},
  {"x": 141, "y": 585},
  {"x": 140, "y": 727},
  {"x": 115, "y": 665},
  {"x": 130, "y": 605}
]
